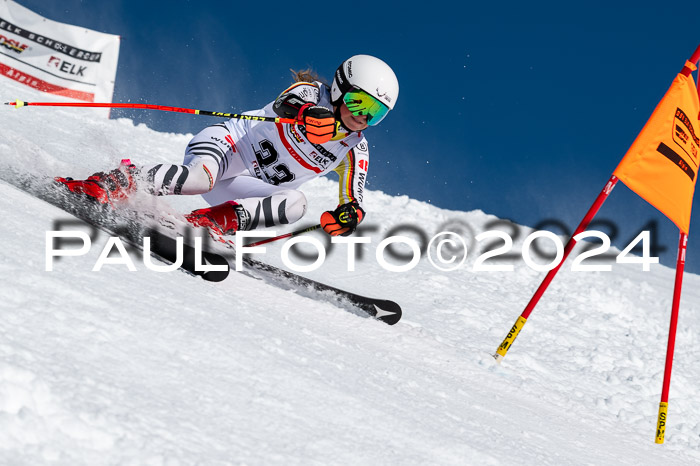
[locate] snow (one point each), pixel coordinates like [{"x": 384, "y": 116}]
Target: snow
[{"x": 119, "y": 367}]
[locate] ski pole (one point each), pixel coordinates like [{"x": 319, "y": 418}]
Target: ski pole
[
  {"x": 286, "y": 235},
  {"x": 20, "y": 103}
]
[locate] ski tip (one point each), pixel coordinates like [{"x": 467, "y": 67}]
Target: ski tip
[{"x": 388, "y": 312}]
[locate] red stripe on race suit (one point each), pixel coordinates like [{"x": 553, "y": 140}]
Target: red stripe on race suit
[
  {"x": 294, "y": 153},
  {"x": 230, "y": 141},
  {"x": 43, "y": 86}
]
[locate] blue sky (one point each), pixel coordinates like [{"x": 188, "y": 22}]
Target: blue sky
[{"x": 522, "y": 110}]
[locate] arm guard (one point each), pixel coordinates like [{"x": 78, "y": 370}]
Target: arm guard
[{"x": 291, "y": 101}]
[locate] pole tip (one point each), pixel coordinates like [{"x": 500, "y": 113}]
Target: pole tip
[{"x": 17, "y": 103}]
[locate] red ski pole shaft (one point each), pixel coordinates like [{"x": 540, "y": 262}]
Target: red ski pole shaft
[
  {"x": 286, "y": 235},
  {"x": 19, "y": 103}
]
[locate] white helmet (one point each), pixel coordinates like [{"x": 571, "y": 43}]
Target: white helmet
[{"x": 369, "y": 74}]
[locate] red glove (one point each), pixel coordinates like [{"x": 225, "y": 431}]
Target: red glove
[
  {"x": 343, "y": 220},
  {"x": 319, "y": 123}
]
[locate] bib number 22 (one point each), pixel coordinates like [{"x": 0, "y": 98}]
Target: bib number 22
[{"x": 267, "y": 156}]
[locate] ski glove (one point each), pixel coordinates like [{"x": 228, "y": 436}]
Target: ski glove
[
  {"x": 343, "y": 220},
  {"x": 319, "y": 122}
]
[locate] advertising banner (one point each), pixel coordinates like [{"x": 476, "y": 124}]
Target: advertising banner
[{"x": 56, "y": 58}]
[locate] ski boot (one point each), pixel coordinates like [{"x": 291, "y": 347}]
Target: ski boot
[
  {"x": 223, "y": 219},
  {"x": 105, "y": 188}
]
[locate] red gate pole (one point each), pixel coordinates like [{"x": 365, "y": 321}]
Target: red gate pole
[
  {"x": 663, "y": 405},
  {"x": 693, "y": 60},
  {"x": 508, "y": 341},
  {"x": 680, "y": 265}
]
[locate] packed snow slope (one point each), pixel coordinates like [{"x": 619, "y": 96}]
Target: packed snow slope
[{"x": 143, "y": 367}]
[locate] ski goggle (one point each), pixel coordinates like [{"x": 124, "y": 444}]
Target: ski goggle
[{"x": 360, "y": 103}]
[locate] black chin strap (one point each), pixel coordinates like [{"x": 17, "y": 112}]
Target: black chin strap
[
  {"x": 336, "y": 114},
  {"x": 343, "y": 86}
]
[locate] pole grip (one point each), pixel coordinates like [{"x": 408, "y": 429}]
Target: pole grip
[
  {"x": 510, "y": 338},
  {"x": 661, "y": 422}
]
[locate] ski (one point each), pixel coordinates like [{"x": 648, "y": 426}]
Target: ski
[
  {"x": 211, "y": 260},
  {"x": 387, "y": 311},
  {"x": 165, "y": 247}
]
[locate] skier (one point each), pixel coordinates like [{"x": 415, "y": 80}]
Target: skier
[{"x": 249, "y": 171}]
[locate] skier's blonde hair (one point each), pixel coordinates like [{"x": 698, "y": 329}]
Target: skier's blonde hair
[{"x": 306, "y": 76}]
